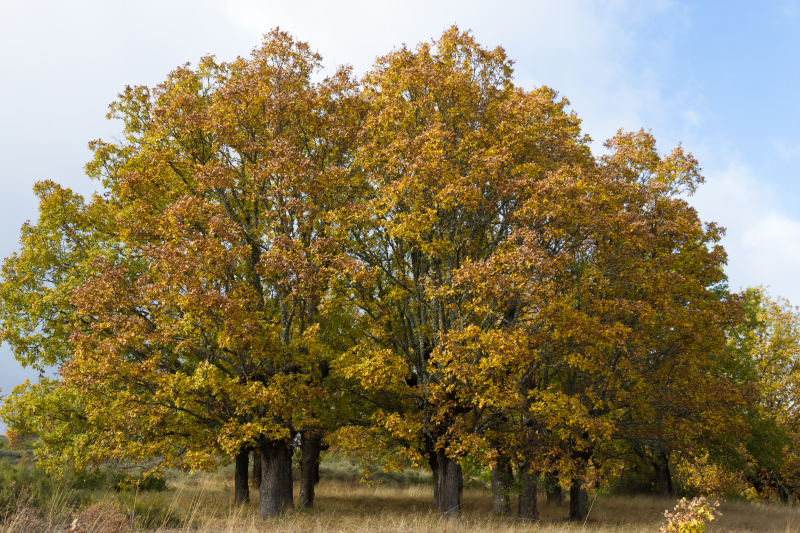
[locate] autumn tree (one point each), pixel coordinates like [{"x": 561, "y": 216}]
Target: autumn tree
[
  {"x": 767, "y": 344},
  {"x": 447, "y": 146},
  {"x": 205, "y": 336},
  {"x": 584, "y": 314},
  {"x": 38, "y": 314}
]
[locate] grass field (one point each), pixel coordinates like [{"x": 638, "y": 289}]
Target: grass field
[{"x": 202, "y": 502}]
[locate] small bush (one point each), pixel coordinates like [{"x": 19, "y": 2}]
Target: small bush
[
  {"x": 26, "y": 484},
  {"x": 93, "y": 481},
  {"x": 118, "y": 481},
  {"x": 151, "y": 513},
  {"x": 689, "y": 517},
  {"x": 151, "y": 483},
  {"x": 101, "y": 517}
]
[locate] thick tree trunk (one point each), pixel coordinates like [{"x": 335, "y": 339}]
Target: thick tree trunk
[
  {"x": 449, "y": 494},
  {"x": 322, "y": 448},
  {"x": 276, "y": 469},
  {"x": 502, "y": 479},
  {"x": 578, "y": 499},
  {"x": 555, "y": 496},
  {"x": 433, "y": 461},
  {"x": 309, "y": 463},
  {"x": 256, "y": 469},
  {"x": 661, "y": 466},
  {"x": 527, "y": 493},
  {"x": 241, "y": 485},
  {"x": 287, "y": 485}
]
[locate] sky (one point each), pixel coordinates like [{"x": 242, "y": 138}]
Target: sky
[{"x": 720, "y": 77}]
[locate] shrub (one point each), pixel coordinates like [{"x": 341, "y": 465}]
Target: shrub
[
  {"x": 26, "y": 484},
  {"x": 690, "y": 517},
  {"x": 152, "y": 512},
  {"x": 100, "y": 517},
  {"x": 118, "y": 481}
]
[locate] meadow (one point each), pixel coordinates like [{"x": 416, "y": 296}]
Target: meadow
[{"x": 202, "y": 502}]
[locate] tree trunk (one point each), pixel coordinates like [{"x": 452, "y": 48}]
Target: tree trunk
[
  {"x": 555, "y": 496},
  {"x": 527, "y": 493},
  {"x": 433, "y": 461},
  {"x": 449, "y": 495},
  {"x": 276, "y": 469},
  {"x": 578, "y": 498},
  {"x": 661, "y": 465},
  {"x": 502, "y": 479},
  {"x": 287, "y": 483},
  {"x": 783, "y": 495},
  {"x": 256, "y": 469},
  {"x": 241, "y": 485},
  {"x": 309, "y": 463},
  {"x": 783, "y": 492}
]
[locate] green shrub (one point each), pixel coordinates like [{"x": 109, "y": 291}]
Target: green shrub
[
  {"x": 151, "y": 513},
  {"x": 24, "y": 484},
  {"x": 118, "y": 481},
  {"x": 93, "y": 481},
  {"x": 152, "y": 483}
]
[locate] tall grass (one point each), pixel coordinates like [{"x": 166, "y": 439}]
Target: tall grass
[{"x": 202, "y": 503}]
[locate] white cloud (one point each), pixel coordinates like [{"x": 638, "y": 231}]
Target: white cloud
[
  {"x": 762, "y": 241},
  {"x": 580, "y": 48}
]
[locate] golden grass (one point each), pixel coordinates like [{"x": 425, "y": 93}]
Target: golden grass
[
  {"x": 203, "y": 504},
  {"x": 357, "y": 508}
]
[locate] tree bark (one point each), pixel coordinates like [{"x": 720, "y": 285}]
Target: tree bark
[
  {"x": 527, "y": 493},
  {"x": 256, "y": 469},
  {"x": 502, "y": 479},
  {"x": 241, "y": 485},
  {"x": 287, "y": 482},
  {"x": 433, "y": 461},
  {"x": 309, "y": 463},
  {"x": 555, "y": 496},
  {"x": 780, "y": 489},
  {"x": 578, "y": 499},
  {"x": 661, "y": 466},
  {"x": 449, "y": 494},
  {"x": 276, "y": 467}
]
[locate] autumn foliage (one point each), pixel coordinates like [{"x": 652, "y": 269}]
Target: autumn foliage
[{"x": 429, "y": 259}]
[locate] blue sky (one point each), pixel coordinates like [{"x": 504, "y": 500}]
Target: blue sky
[{"x": 720, "y": 77}]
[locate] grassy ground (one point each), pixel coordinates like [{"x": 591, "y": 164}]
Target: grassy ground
[
  {"x": 201, "y": 502},
  {"x": 345, "y": 507}
]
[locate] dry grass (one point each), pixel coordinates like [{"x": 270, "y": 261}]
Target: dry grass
[
  {"x": 357, "y": 508},
  {"x": 202, "y": 503}
]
